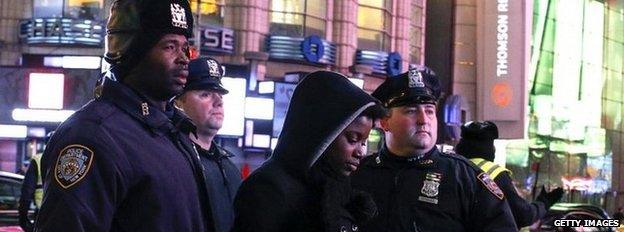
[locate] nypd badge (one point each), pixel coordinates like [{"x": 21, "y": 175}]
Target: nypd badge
[
  {"x": 415, "y": 78},
  {"x": 491, "y": 185},
  {"x": 178, "y": 16},
  {"x": 72, "y": 165},
  {"x": 213, "y": 67},
  {"x": 430, "y": 188}
]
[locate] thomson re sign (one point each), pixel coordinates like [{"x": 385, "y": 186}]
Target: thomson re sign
[{"x": 503, "y": 43}]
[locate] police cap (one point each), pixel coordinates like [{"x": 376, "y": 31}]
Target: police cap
[
  {"x": 205, "y": 74},
  {"x": 418, "y": 85}
]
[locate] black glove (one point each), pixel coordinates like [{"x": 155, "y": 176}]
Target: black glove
[{"x": 550, "y": 198}]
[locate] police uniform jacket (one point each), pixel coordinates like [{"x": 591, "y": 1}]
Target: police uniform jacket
[
  {"x": 525, "y": 213},
  {"x": 280, "y": 195},
  {"x": 436, "y": 192},
  {"x": 223, "y": 179},
  {"x": 121, "y": 164}
]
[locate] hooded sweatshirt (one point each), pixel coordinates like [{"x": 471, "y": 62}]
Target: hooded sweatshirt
[{"x": 281, "y": 195}]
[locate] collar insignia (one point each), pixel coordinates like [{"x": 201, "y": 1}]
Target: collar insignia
[{"x": 145, "y": 108}]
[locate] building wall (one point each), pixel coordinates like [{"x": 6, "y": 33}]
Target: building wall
[{"x": 600, "y": 101}]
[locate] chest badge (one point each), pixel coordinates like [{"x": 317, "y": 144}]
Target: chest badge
[{"x": 430, "y": 189}]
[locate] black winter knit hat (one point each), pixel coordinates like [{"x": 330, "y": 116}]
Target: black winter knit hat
[{"x": 477, "y": 140}]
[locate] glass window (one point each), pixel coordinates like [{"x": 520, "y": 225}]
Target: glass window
[
  {"x": 47, "y": 8},
  {"x": 373, "y": 21},
  {"x": 83, "y": 9},
  {"x": 416, "y": 28},
  {"x": 210, "y": 11},
  {"x": 75, "y": 9},
  {"x": 298, "y": 18}
]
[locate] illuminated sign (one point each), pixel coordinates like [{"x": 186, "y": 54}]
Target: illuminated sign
[
  {"x": 312, "y": 55},
  {"x": 45, "y": 90},
  {"x": 234, "y": 113},
  {"x": 382, "y": 62},
  {"x": 217, "y": 39},
  {"x": 301, "y": 49},
  {"x": 61, "y": 31},
  {"x": 503, "y": 42}
]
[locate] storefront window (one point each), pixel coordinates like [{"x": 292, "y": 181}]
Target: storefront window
[
  {"x": 74, "y": 9},
  {"x": 373, "y": 21},
  {"x": 298, "y": 18},
  {"x": 210, "y": 11}
]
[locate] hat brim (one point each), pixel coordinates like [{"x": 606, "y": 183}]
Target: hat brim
[
  {"x": 207, "y": 86},
  {"x": 415, "y": 99}
]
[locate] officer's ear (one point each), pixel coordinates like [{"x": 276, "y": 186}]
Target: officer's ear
[
  {"x": 384, "y": 121},
  {"x": 178, "y": 102}
]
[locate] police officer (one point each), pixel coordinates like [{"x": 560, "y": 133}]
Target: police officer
[
  {"x": 32, "y": 190},
  {"x": 124, "y": 161},
  {"x": 477, "y": 144},
  {"x": 202, "y": 101},
  {"x": 415, "y": 186}
]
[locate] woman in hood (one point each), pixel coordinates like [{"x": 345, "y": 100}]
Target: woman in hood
[{"x": 304, "y": 186}]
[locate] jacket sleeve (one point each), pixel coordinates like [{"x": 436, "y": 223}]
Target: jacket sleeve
[
  {"x": 28, "y": 188},
  {"x": 525, "y": 213},
  {"x": 259, "y": 208},
  {"x": 84, "y": 184},
  {"x": 490, "y": 211}
]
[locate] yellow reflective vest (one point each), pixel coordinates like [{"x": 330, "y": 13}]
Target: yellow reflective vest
[
  {"x": 492, "y": 169},
  {"x": 39, "y": 188}
]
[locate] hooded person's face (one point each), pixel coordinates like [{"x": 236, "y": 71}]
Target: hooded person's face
[
  {"x": 165, "y": 67},
  {"x": 346, "y": 151}
]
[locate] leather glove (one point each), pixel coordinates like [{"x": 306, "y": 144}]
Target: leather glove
[{"x": 550, "y": 198}]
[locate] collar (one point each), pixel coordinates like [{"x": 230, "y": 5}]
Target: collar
[
  {"x": 214, "y": 152},
  {"x": 137, "y": 106},
  {"x": 385, "y": 158}
]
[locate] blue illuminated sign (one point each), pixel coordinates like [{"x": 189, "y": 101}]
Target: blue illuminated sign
[
  {"x": 382, "y": 62},
  {"x": 394, "y": 64},
  {"x": 311, "y": 49},
  {"x": 307, "y": 45},
  {"x": 61, "y": 31}
]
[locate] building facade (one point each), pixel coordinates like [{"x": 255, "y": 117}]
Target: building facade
[
  {"x": 572, "y": 129},
  {"x": 266, "y": 46}
]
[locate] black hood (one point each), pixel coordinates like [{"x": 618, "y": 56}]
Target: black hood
[{"x": 322, "y": 106}]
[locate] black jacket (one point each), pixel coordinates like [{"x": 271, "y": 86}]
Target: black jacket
[
  {"x": 525, "y": 213},
  {"x": 223, "y": 179},
  {"x": 438, "y": 192},
  {"x": 121, "y": 164},
  {"x": 282, "y": 195}
]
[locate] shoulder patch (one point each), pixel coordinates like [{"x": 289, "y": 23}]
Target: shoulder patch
[
  {"x": 491, "y": 185},
  {"x": 72, "y": 165}
]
